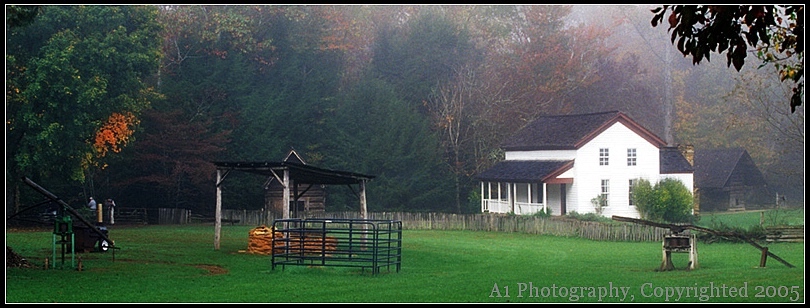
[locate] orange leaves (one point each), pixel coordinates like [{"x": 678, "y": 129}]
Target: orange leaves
[{"x": 115, "y": 133}]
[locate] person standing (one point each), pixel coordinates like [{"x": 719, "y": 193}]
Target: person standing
[
  {"x": 111, "y": 206},
  {"x": 92, "y": 206}
]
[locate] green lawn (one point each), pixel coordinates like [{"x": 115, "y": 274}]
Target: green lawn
[{"x": 178, "y": 264}]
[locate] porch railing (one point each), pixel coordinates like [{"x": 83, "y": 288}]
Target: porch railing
[
  {"x": 502, "y": 206},
  {"x": 526, "y": 208}
]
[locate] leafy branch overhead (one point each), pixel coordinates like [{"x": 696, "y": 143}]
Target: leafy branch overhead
[{"x": 775, "y": 31}]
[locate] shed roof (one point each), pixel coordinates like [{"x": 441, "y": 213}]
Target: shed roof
[{"x": 714, "y": 167}]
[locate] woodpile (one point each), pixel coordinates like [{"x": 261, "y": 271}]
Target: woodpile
[
  {"x": 15, "y": 260},
  {"x": 261, "y": 241},
  {"x": 313, "y": 244}
]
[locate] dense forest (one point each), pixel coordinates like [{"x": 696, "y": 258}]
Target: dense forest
[{"x": 136, "y": 102}]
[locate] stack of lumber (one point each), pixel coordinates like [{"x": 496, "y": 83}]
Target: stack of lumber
[{"x": 261, "y": 241}]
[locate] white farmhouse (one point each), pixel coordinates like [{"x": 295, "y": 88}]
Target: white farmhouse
[{"x": 563, "y": 163}]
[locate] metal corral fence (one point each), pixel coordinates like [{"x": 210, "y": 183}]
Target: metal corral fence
[
  {"x": 360, "y": 243},
  {"x": 557, "y": 226}
]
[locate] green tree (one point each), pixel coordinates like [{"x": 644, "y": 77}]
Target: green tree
[
  {"x": 73, "y": 72},
  {"x": 776, "y": 31},
  {"x": 374, "y": 131},
  {"x": 212, "y": 57},
  {"x": 421, "y": 54},
  {"x": 20, "y": 15},
  {"x": 667, "y": 201}
]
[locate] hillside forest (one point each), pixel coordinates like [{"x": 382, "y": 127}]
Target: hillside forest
[{"x": 135, "y": 102}]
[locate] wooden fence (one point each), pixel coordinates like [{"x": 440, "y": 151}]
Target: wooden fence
[
  {"x": 784, "y": 234},
  {"x": 557, "y": 226},
  {"x": 124, "y": 215}
]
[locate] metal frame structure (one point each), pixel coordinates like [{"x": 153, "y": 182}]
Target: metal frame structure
[
  {"x": 64, "y": 232},
  {"x": 358, "y": 243}
]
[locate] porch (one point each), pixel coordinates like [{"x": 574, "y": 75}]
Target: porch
[{"x": 516, "y": 198}]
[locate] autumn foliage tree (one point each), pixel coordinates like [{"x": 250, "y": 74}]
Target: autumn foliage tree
[
  {"x": 114, "y": 134},
  {"x": 70, "y": 70}
]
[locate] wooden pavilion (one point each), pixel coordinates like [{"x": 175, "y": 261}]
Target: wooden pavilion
[{"x": 295, "y": 178}]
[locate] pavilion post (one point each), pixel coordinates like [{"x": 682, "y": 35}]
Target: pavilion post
[
  {"x": 285, "y": 199},
  {"x": 363, "y": 206},
  {"x": 218, "y": 211}
]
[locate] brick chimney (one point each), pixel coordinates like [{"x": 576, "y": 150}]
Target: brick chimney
[{"x": 688, "y": 152}]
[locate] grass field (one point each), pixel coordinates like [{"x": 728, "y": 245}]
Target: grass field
[{"x": 178, "y": 264}]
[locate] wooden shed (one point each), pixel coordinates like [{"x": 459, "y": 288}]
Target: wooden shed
[
  {"x": 728, "y": 180},
  {"x": 305, "y": 200}
]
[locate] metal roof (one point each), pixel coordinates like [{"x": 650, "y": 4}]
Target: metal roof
[
  {"x": 672, "y": 161},
  {"x": 299, "y": 173},
  {"x": 570, "y": 132},
  {"x": 524, "y": 171}
]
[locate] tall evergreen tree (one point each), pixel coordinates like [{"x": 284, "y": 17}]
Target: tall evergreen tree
[{"x": 374, "y": 131}]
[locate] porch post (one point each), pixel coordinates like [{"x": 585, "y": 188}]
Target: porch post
[
  {"x": 482, "y": 196},
  {"x": 529, "y": 193},
  {"x": 499, "y": 197},
  {"x": 545, "y": 198},
  {"x": 509, "y": 197},
  {"x": 489, "y": 190}
]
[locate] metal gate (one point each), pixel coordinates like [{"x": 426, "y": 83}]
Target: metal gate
[{"x": 361, "y": 243}]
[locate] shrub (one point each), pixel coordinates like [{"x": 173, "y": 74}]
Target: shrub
[
  {"x": 589, "y": 217},
  {"x": 668, "y": 201},
  {"x": 543, "y": 214}
]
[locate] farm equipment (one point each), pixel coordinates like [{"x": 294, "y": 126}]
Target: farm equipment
[
  {"x": 86, "y": 236},
  {"x": 678, "y": 241}
]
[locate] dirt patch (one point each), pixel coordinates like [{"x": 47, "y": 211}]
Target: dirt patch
[{"x": 212, "y": 269}]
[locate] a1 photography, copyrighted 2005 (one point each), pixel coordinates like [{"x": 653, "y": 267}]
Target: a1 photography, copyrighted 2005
[{"x": 646, "y": 292}]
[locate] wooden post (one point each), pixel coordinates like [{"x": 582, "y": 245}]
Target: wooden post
[
  {"x": 666, "y": 263},
  {"x": 693, "y": 254},
  {"x": 99, "y": 214},
  {"x": 363, "y": 205},
  {"x": 761, "y": 218},
  {"x": 285, "y": 198},
  {"x": 764, "y": 257},
  {"x": 363, "y": 210},
  {"x": 218, "y": 211}
]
